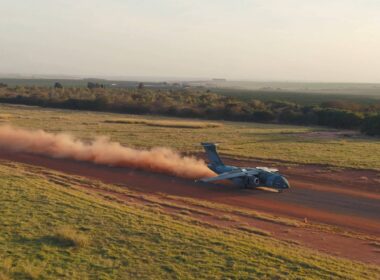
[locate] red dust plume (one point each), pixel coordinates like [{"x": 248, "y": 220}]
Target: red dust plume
[{"x": 101, "y": 151}]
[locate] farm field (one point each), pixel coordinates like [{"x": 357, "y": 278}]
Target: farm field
[
  {"x": 305, "y": 87},
  {"x": 297, "y": 92},
  {"x": 291, "y": 144},
  {"x": 358, "y": 96}
]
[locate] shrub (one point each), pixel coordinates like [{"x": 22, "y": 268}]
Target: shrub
[
  {"x": 263, "y": 116},
  {"x": 339, "y": 118},
  {"x": 290, "y": 116},
  {"x": 68, "y": 235},
  {"x": 58, "y": 85},
  {"x": 371, "y": 125}
]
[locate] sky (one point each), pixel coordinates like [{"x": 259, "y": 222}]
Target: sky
[{"x": 273, "y": 40}]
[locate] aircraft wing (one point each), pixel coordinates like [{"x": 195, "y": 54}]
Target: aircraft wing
[
  {"x": 230, "y": 175},
  {"x": 268, "y": 169}
]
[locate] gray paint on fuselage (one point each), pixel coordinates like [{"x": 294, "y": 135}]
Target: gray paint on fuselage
[{"x": 267, "y": 177}]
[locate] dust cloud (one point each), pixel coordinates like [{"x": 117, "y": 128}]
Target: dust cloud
[{"x": 101, "y": 151}]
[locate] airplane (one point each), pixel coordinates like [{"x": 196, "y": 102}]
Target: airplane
[{"x": 245, "y": 177}]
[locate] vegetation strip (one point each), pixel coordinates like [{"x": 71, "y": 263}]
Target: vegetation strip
[
  {"x": 240, "y": 140},
  {"x": 196, "y": 103}
]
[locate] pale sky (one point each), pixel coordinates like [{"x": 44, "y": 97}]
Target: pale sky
[{"x": 295, "y": 40}]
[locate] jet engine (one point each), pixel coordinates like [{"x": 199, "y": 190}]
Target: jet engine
[{"x": 253, "y": 180}]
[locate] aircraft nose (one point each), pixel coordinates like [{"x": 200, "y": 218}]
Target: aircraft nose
[
  {"x": 285, "y": 183},
  {"x": 280, "y": 182}
]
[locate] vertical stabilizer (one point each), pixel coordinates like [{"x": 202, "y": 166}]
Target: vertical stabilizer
[{"x": 212, "y": 154}]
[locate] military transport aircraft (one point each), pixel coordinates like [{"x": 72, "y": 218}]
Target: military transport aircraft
[{"x": 243, "y": 176}]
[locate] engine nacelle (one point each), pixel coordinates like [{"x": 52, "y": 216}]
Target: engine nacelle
[{"x": 253, "y": 181}]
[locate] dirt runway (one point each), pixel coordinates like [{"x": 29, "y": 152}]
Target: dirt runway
[{"x": 347, "y": 198}]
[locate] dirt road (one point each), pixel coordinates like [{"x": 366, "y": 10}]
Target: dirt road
[{"x": 348, "y": 198}]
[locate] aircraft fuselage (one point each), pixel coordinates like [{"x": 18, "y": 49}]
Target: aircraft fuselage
[{"x": 264, "y": 178}]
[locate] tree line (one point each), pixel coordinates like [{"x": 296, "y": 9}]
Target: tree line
[{"x": 199, "y": 103}]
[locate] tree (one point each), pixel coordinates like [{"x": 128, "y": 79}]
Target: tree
[
  {"x": 58, "y": 85},
  {"x": 92, "y": 85},
  {"x": 263, "y": 116},
  {"x": 339, "y": 118},
  {"x": 371, "y": 125}
]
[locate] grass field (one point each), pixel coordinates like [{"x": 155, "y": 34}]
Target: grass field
[
  {"x": 296, "y": 144},
  {"x": 298, "y": 92},
  {"x": 51, "y": 229},
  {"x": 359, "y": 96}
]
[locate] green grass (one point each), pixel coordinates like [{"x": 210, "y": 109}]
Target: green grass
[
  {"x": 245, "y": 140},
  {"x": 68, "y": 236},
  {"x": 165, "y": 123},
  {"x": 132, "y": 241}
]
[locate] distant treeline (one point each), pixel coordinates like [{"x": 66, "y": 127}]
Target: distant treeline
[{"x": 199, "y": 103}]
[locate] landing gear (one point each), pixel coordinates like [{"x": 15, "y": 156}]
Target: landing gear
[
  {"x": 244, "y": 186},
  {"x": 246, "y": 183}
]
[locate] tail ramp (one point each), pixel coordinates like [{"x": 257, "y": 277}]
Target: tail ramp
[{"x": 212, "y": 154}]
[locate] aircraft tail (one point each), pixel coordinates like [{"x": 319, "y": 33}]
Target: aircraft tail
[{"x": 212, "y": 154}]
